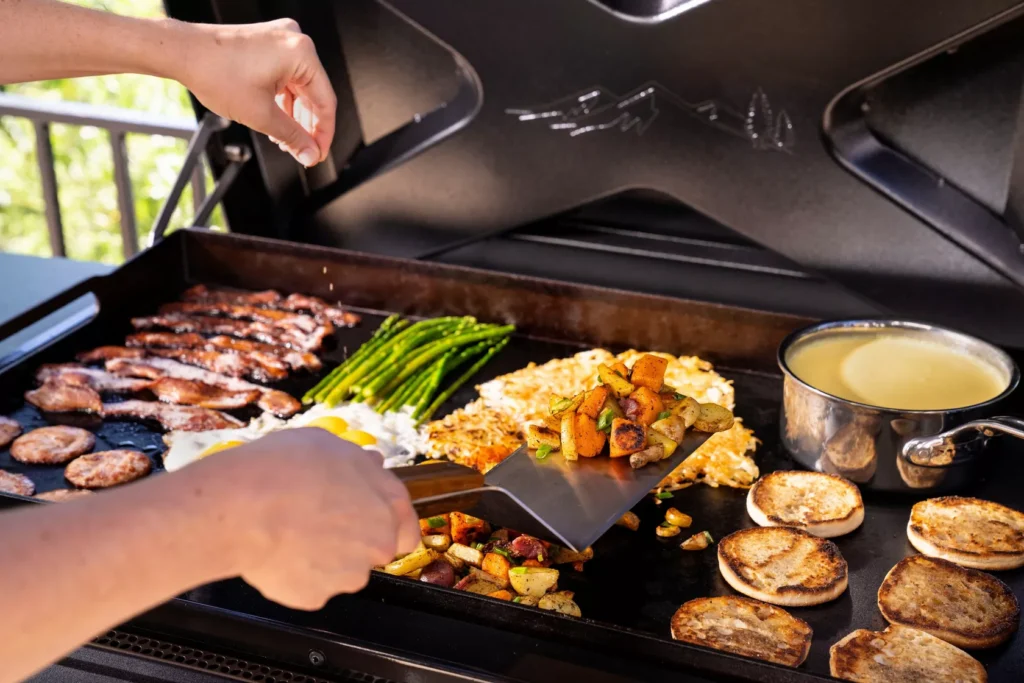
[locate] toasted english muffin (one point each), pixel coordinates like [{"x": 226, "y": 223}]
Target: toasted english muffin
[
  {"x": 965, "y": 607},
  {"x": 783, "y": 566},
  {"x": 744, "y": 627},
  {"x": 973, "y": 533},
  {"x": 825, "y": 505},
  {"x": 902, "y": 655}
]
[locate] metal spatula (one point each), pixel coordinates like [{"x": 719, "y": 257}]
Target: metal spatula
[{"x": 568, "y": 503}]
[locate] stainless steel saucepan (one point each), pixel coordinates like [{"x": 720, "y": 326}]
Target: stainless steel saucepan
[{"x": 920, "y": 451}]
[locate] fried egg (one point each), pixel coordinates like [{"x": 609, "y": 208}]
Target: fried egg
[{"x": 393, "y": 435}]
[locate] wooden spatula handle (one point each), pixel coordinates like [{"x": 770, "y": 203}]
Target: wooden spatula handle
[{"x": 438, "y": 479}]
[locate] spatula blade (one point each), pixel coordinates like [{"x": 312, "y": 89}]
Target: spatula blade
[{"x": 573, "y": 502}]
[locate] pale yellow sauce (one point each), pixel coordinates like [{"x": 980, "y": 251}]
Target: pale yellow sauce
[{"x": 895, "y": 369}]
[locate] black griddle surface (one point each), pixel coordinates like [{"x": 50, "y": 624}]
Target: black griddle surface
[{"x": 636, "y": 580}]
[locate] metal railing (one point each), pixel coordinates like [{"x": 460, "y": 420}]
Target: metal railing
[{"x": 118, "y": 123}]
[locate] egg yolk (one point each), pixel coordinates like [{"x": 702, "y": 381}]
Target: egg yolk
[
  {"x": 359, "y": 437},
  {"x": 218, "y": 447},
  {"x": 330, "y": 423}
]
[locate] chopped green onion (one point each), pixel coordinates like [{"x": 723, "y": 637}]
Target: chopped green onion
[
  {"x": 518, "y": 570},
  {"x": 604, "y": 422},
  {"x": 666, "y": 525},
  {"x": 560, "y": 405},
  {"x": 478, "y": 546},
  {"x": 501, "y": 551},
  {"x": 679, "y": 397},
  {"x": 663, "y": 414},
  {"x": 664, "y": 495},
  {"x": 540, "y": 557},
  {"x": 707, "y": 535},
  {"x": 517, "y": 599},
  {"x": 544, "y": 451},
  {"x": 436, "y": 522}
]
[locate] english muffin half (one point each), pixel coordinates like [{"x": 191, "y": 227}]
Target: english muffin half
[
  {"x": 902, "y": 655},
  {"x": 965, "y": 607},
  {"x": 744, "y": 627},
  {"x": 973, "y": 533},
  {"x": 782, "y": 566},
  {"x": 825, "y": 505}
]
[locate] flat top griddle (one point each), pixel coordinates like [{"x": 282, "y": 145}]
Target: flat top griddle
[{"x": 629, "y": 592}]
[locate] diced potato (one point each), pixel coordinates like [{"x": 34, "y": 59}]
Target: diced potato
[
  {"x": 458, "y": 564},
  {"x": 649, "y": 406},
  {"x": 466, "y": 554},
  {"x": 627, "y": 438},
  {"x": 649, "y": 371},
  {"x": 561, "y": 603},
  {"x": 538, "y": 435},
  {"x": 527, "y": 600},
  {"x": 620, "y": 367},
  {"x": 501, "y": 595},
  {"x": 646, "y": 456},
  {"x": 697, "y": 541},
  {"x": 656, "y": 438},
  {"x": 438, "y": 542},
  {"x": 673, "y": 427},
  {"x": 615, "y": 382},
  {"x": 497, "y": 566},
  {"x": 593, "y": 403},
  {"x": 677, "y": 518},
  {"x": 560, "y": 406},
  {"x": 612, "y": 404},
  {"x": 689, "y": 410},
  {"x": 589, "y": 439},
  {"x": 471, "y": 584},
  {"x": 570, "y": 449},
  {"x": 630, "y": 520},
  {"x": 713, "y": 418},
  {"x": 467, "y": 529},
  {"x": 566, "y": 556},
  {"x": 534, "y": 581},
  {"x": 418, "y": 559},
  {"x": 438, "y": 524},
  {"x": 414, "y": 575},
  {"x": 666, "y": 530}
]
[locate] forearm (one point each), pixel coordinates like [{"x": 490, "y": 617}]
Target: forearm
[
  {"x": 44, "y": 39},
  {"x": 73, "y": 570}
]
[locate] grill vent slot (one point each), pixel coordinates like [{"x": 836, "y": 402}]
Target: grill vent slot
[{"x": 212, "y": 662}]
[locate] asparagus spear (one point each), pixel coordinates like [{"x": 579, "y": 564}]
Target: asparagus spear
[{"x": 429, "y": 412}]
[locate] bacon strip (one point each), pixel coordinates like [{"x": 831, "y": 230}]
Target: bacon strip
[
  {"x": 58, "y": 396},
  {"x": 268, "y": 354},
  {"x": 272, "y": 400},
  {"x": 230, "y": 364},
  {"x": 320, "y": 309},
  {"x": 236, "y": 328},
  {"x": 172, "y": 417},
  {"x": 102, "y": 353},
  {"x": 193, "y": 393},
  {"x": 100, "y": 380},
  {"x": 271, "y": 316},
  {"x": 204, "y": 293}
]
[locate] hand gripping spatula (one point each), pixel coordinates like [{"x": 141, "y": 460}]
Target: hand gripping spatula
[{"x": 571, "y": 503}]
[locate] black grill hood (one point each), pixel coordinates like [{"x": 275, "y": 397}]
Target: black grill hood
[{"x": 854, "y": 157}]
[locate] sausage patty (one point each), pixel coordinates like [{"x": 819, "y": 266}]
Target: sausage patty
[
  {"x": 9, "y": 430},
  {"x": 107, "y": 468},
  {"x": 52, "y": 445},
  {"x": 60, "y": 495},
  {"x": 16, "y": 483}
]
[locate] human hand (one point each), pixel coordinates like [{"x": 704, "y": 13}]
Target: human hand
[
  {"x": 314, "y": 514},
  {"x": 266, "y": 76}
]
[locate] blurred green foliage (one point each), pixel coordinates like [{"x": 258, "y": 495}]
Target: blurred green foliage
[{"x": 84, "y": 161}]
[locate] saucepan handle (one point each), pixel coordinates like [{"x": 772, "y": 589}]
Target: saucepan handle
[
  {"x": 439, "y": 487},
  {"x": 961, "y": 443}
]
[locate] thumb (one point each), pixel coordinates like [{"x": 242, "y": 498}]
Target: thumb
[{"x": 292, "y": 137}]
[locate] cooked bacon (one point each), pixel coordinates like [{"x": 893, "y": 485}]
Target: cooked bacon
[
  {"x": 9, "y": 430},
  {"x": 102, "y": 353},
  {"x": 204, "y": 293},
  {"x": 172, "y": 417},
  {"x": 230, "y": 364},
  {"x": 272, "y": 400},
  {"x": 263, "y": 332},
  {"x": 296, "y": 360},
  {"x": 320, "y": 309},
  {"x": 100, "y": 380},
  {"x": 271, "y": 316},
  {"x": 58, "y": 396},
  {"x": 194, "y": 393}
]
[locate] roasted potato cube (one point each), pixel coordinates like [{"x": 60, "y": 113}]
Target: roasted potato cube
[
  {"x": 648, "y": 406},
  {"x": 620, "y": 367},
  {"x": 565, "y": 556},
  {"x": 615, "y": 382},
  {"x": 656, "y": 438},
  {"x": 535, "y": 581},
  {"x": 646, "y": 456},
  {"x": 466, "y": 554},
  {"x": 467, "y": 529},
  {"x": 527, "y": 600},
  {"x": 439, "y": 524},
  {"x": 561, "y": 603},
  {"x": 472, "y": 584},
  {"x": 649, "y": 371},
  {"x": 497, "y": 566},
  {"x": 417, "y": 559},
  {"x": 677, "y": 518},
  {"x": 589, "y": 439},
  {"x": 673, "y": 427},
  {"x": 593, "y": 403},
  {"x": 713, "y": 418},
  {"x": 458, "y": 564},
  {"x": 414, "y": 575},
  {"x": 627, "y": 438},
  {"x": 570, "y": 448},
  {"x": 538, "y": 435},
  {"x": 501, "y": 595},
  {"x": 689, "y": 410},
  {"x": 630, "y": 520},
  {"x": 438, "y": 542},
  {"x": 560, "y": 406}
]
